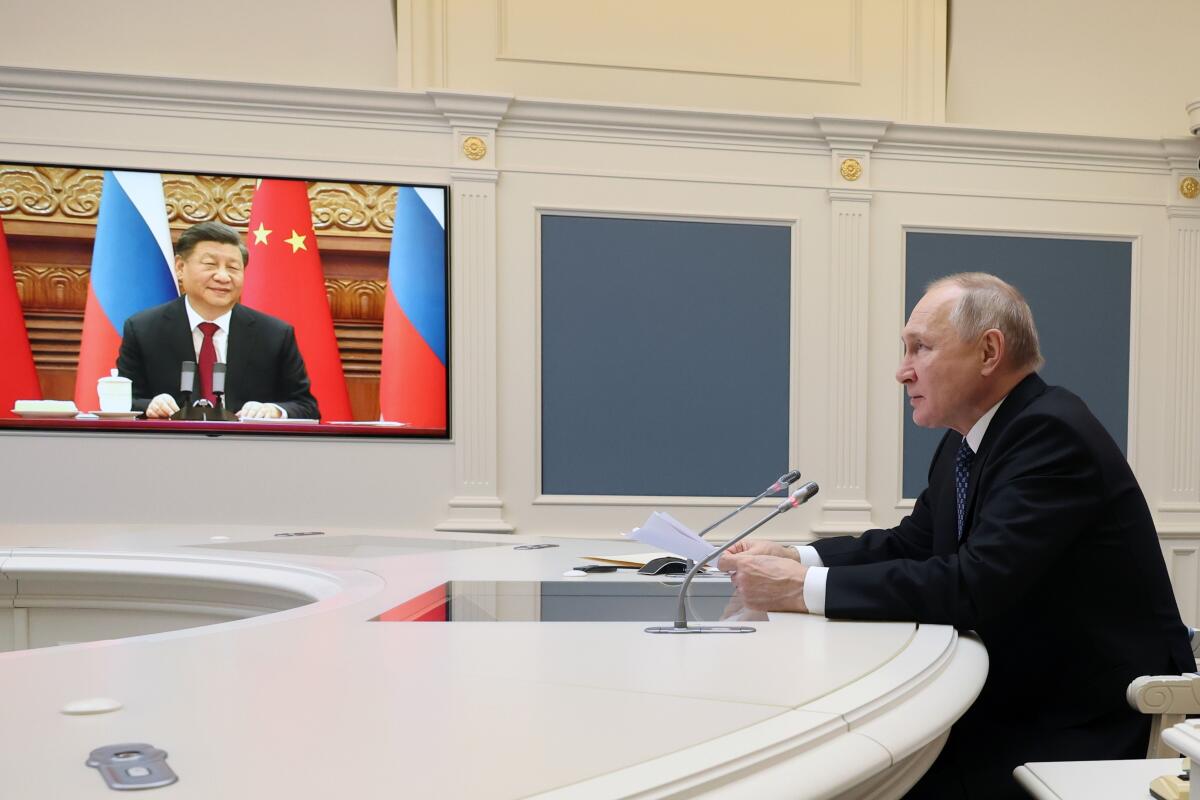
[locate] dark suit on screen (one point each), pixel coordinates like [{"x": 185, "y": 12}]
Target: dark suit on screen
[
  {"x": 1059, "y": 572},
  {"x": 263, "y": 361}
]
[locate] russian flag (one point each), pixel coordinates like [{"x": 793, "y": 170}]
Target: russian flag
[
  {"x": 412, "y": 384},
  {"x": 132, "y": 262}
]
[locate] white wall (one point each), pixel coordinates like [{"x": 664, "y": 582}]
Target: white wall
[
  {"x": 860, "y": 57},
  {"x": 350, "y": 43},
  {"x": 1099, "y": 67},
  {"x": 1096, "y": 67}
]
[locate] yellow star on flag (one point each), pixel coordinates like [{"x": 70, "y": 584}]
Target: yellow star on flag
[
  {"x": 297, "y": 241},
  {"x": 261, "y": 234}
]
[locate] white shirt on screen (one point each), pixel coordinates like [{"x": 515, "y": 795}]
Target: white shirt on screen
[{"x": 818, "y": 573}]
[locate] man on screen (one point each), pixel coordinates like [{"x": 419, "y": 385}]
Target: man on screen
[
  {"x": 1032, "y": 531},
  {"x": 265, "y": 375}
]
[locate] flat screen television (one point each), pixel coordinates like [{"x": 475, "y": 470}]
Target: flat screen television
[{"x": 352, "y": 278}]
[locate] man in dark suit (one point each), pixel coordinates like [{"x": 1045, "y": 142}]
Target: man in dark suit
[
  {"x": 265, "y": 374},
  {"x": 1032, "y": 531}
]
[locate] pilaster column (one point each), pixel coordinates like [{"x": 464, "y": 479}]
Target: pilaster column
[
  {"x": 923, "y": 64},
  {"x": 845, "y": 508},
  {"x": 1181, "y": 485},
  {"x": 476, "y": 504}
]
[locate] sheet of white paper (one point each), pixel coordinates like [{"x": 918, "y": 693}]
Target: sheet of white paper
[{"x": 664, "y": 532}]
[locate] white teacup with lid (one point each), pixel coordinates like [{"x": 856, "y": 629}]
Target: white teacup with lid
[{"x": 115, "y": 393}]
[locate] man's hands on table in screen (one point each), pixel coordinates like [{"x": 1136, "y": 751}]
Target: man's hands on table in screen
[
  {"x": 256, "y": 410},
  {"x": 768, "y": 575},
  {"x": 164, "y": 405},
  {"x": 161, "y": 407}
]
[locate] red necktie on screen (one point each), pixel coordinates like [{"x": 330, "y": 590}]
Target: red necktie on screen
[{"x": 208, "y": 357}]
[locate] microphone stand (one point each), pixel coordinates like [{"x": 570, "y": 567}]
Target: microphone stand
[{"x": 799, "y": 497}]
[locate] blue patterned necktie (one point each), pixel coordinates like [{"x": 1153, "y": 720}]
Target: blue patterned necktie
[{"x": 962, "y": 474}]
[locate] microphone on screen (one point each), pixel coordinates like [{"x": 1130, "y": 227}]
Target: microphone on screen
[
  {"x": 218, "y": 390},
  {"x": 782, "y": 482},
  {"x": 187, "y": 380},
  {"x": 187, "y": 384},
  {"x": 218, "y": 382},
  {"x": 797, "y": 498}
]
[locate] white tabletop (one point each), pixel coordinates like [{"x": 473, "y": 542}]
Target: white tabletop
[
  {"x": 318, "y": 701},
  {"x": 1094, "y": 780}
]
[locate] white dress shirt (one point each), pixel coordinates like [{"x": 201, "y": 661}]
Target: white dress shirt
[{"x": 818, "y": 573}]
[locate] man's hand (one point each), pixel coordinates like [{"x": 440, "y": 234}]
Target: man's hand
[
  {"x": 161, "y": 407},
  {"x": 756, "y": 547},
  {"x": 256, "y": 410},
  {"x": 766, "y": 582}
]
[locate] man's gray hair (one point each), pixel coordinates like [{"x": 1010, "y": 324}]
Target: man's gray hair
[{"x": 988, "y": 302}]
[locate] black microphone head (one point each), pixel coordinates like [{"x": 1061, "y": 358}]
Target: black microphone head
[
  {"x": 799, "y": 497},
  {"x": 218, "y": 378},
  {"x": 806, "y": 492},
  {"x": 187, "y": 376},
  {"x": 788, "y": 478}
]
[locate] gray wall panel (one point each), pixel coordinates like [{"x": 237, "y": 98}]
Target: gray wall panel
[{"x": 664, "y": 356}]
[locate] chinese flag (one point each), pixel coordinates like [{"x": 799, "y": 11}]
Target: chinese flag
[
  {"x": 284, "y": 279},
  {"x": 18, "y": 377}
]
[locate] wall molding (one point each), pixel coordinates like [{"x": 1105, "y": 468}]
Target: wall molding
[
  {"x": 190, "y": 97},
  {"x": 435, "y": 109}
]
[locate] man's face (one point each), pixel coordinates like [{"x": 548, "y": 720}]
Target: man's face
[
  {"x": 940, "y": 372},
  {"x": 211, "y": 277}
]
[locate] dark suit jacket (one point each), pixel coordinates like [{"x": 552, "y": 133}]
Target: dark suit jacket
[
  {"x": 1059, "y": 572},
  {"x": 263, "y": 362}
]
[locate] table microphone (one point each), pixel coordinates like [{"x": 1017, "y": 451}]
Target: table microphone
[
  {"x": 187, "y": 381},
  {"x": 797, "y": 498},
  {"x": 187, "y": 384},
  {"x": 784, "y": 480},
  {"x": 218, "y": 383}
]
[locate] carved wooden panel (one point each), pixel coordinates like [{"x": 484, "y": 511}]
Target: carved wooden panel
[
  {"x": 62, "y": 193},
  {"x": 356, "y": 299},
  {"x": 54, "y": 338},
  {"x": 69, "y": 194},
  {"x": 52, "y": 288}
]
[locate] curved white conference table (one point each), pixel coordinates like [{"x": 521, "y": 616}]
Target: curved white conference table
[{"x": 318, "y": 701}]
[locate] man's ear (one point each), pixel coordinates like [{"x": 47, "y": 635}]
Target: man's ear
[
  {"x": 178, "y": 269},
  {"x": 991, "y": 351}
]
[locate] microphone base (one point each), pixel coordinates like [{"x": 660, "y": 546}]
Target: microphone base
[{"x": 702, "y": 629}]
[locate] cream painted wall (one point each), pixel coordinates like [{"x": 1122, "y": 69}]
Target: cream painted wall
[
  {"x": 857, "y": 57},
  {"x": 349, "y": 43},
  {"x": 1100, "y": 67}
]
